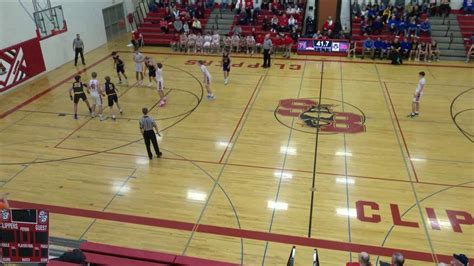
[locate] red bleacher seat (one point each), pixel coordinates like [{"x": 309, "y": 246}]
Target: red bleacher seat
[
  {"x": 61, "y": 263},
  {"x": 466, "y": 25}
]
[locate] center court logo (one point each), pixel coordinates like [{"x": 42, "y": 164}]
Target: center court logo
[{"x": 330, "y": 116}]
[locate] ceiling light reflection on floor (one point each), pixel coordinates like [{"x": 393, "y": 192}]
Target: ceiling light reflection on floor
[
  {"x": 196, "y": 195},
  {"x": 343, "y": 180},
  {"x": 282, "y": 175},
  {"x": 277, "y": 205},
  {"x": 288, "y": 150},
  {"x": 351, "y": 212}
]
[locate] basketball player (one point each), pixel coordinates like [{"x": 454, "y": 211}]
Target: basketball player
[
  {"x": 216, "y": 42},
  {"x": 96, "y": 93},
  {"x": 151, "y": 67},
  {"x": 415, "y": 107},
  {"x": 226, "y": 66},
  {"x": 138, "y": 58},
  {"x": 227, "y": 44},
  {"x": 207, "y": 43},
  {"x": 78, "y": 89},
  {"x": 112, "y": 97},
  {"x": 206, "y": 80},
  {"x": 199, "y": 43},
  {"x": 183, "y": 43},
  {"x": 160, "y": 84},
  {"x": 119, "y": 67}
]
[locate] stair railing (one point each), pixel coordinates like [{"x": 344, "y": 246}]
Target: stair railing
[
  {"x": 216, "y": 20},
  {"x": 449, "y": 28},
  {"x": 444, "y": 17},
  {"x": 451, "y": 39}
]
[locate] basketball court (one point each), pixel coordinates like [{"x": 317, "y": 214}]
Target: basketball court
[{"x": 245, "y": 177}]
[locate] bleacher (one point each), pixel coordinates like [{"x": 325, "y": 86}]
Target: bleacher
[
  {"x": 152, "y": 33},
  {"x": 466, "y": 24},
  {"x": 102, "y": 254},
  {"x": 247, "y": 29},
  {"x": 358, "y": 37}
]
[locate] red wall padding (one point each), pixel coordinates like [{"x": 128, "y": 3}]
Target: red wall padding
[{"x": 22, "y": 61}]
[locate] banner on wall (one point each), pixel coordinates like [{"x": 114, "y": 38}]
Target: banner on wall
[{"x": 20, "y": 62}]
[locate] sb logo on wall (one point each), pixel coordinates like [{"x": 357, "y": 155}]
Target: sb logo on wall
[{"x": 330, "y": 116}]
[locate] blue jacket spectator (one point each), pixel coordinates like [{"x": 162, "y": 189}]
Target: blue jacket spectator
[
  {"x": 379, "y": 44},
  {"x": 392, "y": 24},
  {"x": 402, "y": 27},
  {"x": 425, "y": 26},
  {"x": 368, "y": 43},
  {"x": 405, "y": 45},
  {"x": 468, "y": 6},
  {"x": 377, "y": 26}
]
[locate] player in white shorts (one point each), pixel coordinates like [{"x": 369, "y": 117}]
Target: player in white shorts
[
  {"x": 160, "y": 84},
  {"x": 207, "y": 42},
  {"x": 138, "y": 58},
  {"x": 216, "y": 42},
  {"x": 96, "y": 94},
  {"x": 206, "y": 79},
  {"x": 415, "y": 107}
]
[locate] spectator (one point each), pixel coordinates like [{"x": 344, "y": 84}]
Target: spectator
[
  {"x": 444, "y": 8},
  {"x": 377, "y": 26},
  {"x": 197, "y": 25},
  {"x": 471, "y": 49},
  {"x": 235, "y": 43},
  {"x": 186, "y": 27},
  {"x": 174, "y": 43},
  {"x": 352, "y": 49},
  {"x": 412, "y": 26},
  {"x": 207, "y": 42},
  {"x": 266, "y": 24},
  {"x": 243, "y": 19},
  {"x": 291, "y": 23},
  {"x": 364, "y": 259},
  {"x": 227, "y": 44},
  {"x": 434, "y": 51},
  {"x": 237, "y": 30},
  {"x": 365, "y": 26},
  {"x": 379, "y": 45},
  {"x": 164, "y": 26},
  {"x": 468, "y": 7},
  {"x": 414, "y": 49},
  {"x": 328, "y": 24},
  {"x": 283, "y": 23},
  {"x": 425, "y": 26},
  {"x": 356, "y": 10},
  {"x": 294, "y": 35},
  {"x": 178, "y": 26},
  {"x": 393, "y": 24},
  {"x": 405, "y": 47},
  {"x": 402, "y": 27},
  {"x": 368, "y": 47},
  {"x": 398, "y": 259},
  {"x": 395, "y": 55},
  {"x": 274, "y": 23},
  {"x": 317, "y": 35},
  {"x": 459, "y": 260},
  {"x": 387, "y": 13},
  {"x": 422, "y": 52},
  {"x": 183, "y": 42},
  {"x": 259, "y": 43},
  {"x": 175, "y": 12},
  {"x": 387, "y": 49},
  {"x": 224, "y": 4},
  {"x": 137, "y": 39}
]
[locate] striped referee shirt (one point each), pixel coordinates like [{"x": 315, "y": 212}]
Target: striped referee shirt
[{"x": 147, "y": 123}]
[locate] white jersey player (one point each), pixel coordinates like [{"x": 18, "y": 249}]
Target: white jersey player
[
  {"x": 138, "y": 58},
  {"x": 96, "y": 94},
  {"x": 415, "y": 107},
  {"x": 160, "y": 83},
  {"x": 206, "y": 79}
]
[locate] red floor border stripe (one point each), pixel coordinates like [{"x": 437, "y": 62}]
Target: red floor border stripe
[
  {"x": 42, "y": 93},
  {"x": 232, "y": 232}
]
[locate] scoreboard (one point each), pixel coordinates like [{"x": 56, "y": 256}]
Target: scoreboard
[
  {"x": 24, "y": 236},
  {"x": 321, "y": 46}
]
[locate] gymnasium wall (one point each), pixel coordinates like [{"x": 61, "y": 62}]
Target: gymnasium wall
[{"x": 83, "y": 17}]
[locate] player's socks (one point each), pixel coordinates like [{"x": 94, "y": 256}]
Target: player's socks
[
  {"x": 162, "y": 103},
  {"x": 101, "y": 117},
  {"x": 113, "y": 117},
  {"x": 121, "y": 111},
  {"x": 416, "y": 113},
  {"x": 75, "y": 116},
  {"x": 93, "y": 114}
]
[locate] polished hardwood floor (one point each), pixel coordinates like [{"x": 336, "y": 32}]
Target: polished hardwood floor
[{"x": 245, "y": 177}]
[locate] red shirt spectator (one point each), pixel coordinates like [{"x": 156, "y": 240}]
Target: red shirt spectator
[
  {"x": 277, "y": 41},
  {"x": 136, "y": 35},
  {"x": 328, "y": 24},
  {"x": 249, "y": 4},
  {"x": 259, "y": 39},
  {"x": 287, "y": 40},
  {"x": 283, "y": 22}
]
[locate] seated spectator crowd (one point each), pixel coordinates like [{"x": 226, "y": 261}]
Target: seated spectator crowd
[
  {"x": 397, "y": 49},
  {"x": 397, "y": 19}
]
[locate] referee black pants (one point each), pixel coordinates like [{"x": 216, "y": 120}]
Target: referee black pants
[
  {"x": 151, "y": 136},
  {"x": 81, "y": 52},
  {"x": 266, "y": 58}
]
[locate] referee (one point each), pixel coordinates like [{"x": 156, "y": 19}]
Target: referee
[
  {"x": 78, "y": 48},
  {"x": 147, "y": 124},
  {"x": 267, "y": 46}
]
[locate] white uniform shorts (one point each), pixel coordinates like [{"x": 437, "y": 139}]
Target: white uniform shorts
[
  {"x": 160, "y": 84},
  {"x": 138, "y": 67},
  {"x": 96, "y": 98}
]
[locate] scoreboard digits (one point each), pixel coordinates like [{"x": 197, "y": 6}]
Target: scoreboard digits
[
  {"x": 318, "y": 46},
  {"x": 24, "y": 236}
]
